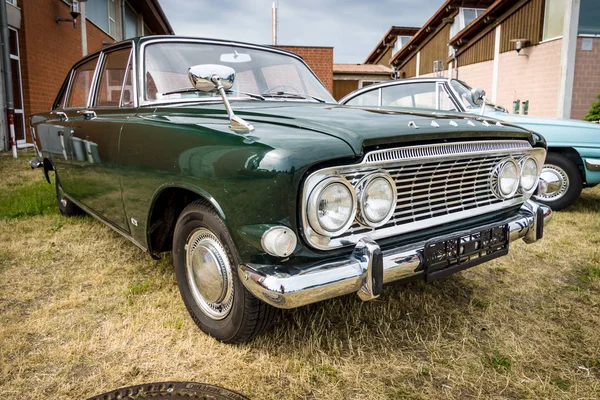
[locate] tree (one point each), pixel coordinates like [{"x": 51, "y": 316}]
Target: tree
[{"x": 594, "y": 112}]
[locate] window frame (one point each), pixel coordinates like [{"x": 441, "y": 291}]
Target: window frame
[
  {"x": 92, "y": 85},
  {"x": 98, "y": 78},
  {"x": 115, "y": 34},
  {"x": 545, "y": 20}
]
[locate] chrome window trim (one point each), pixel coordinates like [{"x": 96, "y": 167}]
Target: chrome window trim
[
  {"x": 315, "y": 240},
  {"x": 105, "y": 54},
  {"x": 140, "y": 73},
  {"x": 95, "y": 79},
  {"x": 79, "y": 64}
]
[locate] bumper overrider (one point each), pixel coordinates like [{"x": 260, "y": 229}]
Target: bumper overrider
[{"x": 368, "y": 267}]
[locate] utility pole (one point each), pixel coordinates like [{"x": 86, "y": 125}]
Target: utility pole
[{"x": 274, "y": 23}]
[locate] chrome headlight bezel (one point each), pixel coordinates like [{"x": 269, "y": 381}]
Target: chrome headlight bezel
[
  {"x": 496, "y": 177},
  {"x": 522, "y": 162},
  {"x": 313, "y": 206},
  {"x": 362, "y": 186}
]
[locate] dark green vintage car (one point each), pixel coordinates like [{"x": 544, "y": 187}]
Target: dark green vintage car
[{"x": 268, "y": 193}]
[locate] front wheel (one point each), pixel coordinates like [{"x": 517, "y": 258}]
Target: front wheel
[
  {"x": 205, "y": 262},
  {"x": 564, "y": 182}
]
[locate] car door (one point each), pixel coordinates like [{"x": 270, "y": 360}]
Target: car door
[
  {"x": 95, "y": 179},
  {"x": 49, "y": 131}
]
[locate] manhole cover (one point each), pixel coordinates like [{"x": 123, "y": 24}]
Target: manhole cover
[{"x": 171, "y": 391}]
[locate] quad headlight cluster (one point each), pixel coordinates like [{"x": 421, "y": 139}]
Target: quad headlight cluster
[
  {"x": 511, "y": 176},
  {"x": 334, "y": 203}
]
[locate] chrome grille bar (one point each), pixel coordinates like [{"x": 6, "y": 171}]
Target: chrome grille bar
[{"x": 442, "y": 149}]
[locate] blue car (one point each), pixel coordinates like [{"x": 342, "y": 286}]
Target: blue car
[{"x": 573, "y": 160}]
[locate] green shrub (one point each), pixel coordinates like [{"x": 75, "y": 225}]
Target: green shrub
[{"x": 594, "y": 112}]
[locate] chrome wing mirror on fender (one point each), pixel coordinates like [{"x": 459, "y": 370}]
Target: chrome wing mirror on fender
[{"x": 218, "y": 78}]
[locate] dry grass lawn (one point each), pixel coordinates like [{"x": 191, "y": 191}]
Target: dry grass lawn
[{"x": 83, "y": 311}]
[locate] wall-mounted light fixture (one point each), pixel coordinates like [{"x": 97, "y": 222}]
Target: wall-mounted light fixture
[
  {"x": 519, "y": 44},
  {"x": 75, "y": 13}
]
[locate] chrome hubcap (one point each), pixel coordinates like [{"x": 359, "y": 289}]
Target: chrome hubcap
[
  {"x": 209, "y": 273},
  {"x": 557, "y": 180}
]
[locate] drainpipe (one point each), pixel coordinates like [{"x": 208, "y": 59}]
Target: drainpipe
[{"x": 10, "y": 104}]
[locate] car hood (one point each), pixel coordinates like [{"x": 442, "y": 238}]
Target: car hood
[
  {"x": 366, "y": 127},
  {"x": 556, "y": 131}
]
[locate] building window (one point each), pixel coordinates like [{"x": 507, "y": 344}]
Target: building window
[
  {"x": 464, "y": 17},
  {"x": 554, "y": 17},
  {"x": 13, "y": 2},
  {"x": 130, "y": 23},
  {"x": 102, "y": 14},
  {"x": 589, "y": 18},
  {"x": 401, "y": 42}
]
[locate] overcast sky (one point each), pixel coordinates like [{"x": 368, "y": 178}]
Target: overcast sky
[{"x": 352, "y": 27}]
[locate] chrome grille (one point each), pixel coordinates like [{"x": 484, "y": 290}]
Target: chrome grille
[
  {"x": 434, "y": 189},
  {"x": 436, "y": 184}
]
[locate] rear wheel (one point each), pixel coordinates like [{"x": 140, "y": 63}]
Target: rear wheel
[
  {"x": 65, "y": 206},
  {"x": 564, "y": 182},
  {"x": 205, "y": 261}
]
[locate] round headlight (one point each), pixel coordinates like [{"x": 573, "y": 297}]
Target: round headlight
[
  {"x": 332, "y": 207},
  {"x": 377, "y": 199},
  {"x": 529, "y": 174},
  {"x": 507, "y": 176}
]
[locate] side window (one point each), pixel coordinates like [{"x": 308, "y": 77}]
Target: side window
[
  {"x": 112, "y": 80},
  {"x": 60, "y": 98},
  {"x": 82, "y": 82},
  {"x": 368, "y": 99},
  {"x": 446, "y": 103},
  {"x": 418, "y": 95}
]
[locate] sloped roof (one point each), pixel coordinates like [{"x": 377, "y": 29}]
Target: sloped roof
[
  {"x": 447, "y": 9},
  {"x": 389, "y": 39}
]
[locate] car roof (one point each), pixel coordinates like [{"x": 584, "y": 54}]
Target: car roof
[{"x": 390, "y": 83}]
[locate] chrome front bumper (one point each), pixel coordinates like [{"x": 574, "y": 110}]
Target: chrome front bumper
[{"x": 367, "y": 268}]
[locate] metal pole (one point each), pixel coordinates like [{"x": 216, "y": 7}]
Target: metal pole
[
  {"x": 274, "y": 24},
  {"x": 10, "y": 105}
]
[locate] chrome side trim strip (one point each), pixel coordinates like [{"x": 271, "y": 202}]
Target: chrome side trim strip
[
  {"x": 592, "y": 164},
  {"x": 443, "y": 149}
]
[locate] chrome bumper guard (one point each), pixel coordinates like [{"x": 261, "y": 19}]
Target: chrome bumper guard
[{"x": 367, "y": 268}]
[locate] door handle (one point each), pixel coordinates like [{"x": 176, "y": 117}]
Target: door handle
[
  {"x": 61, "y": 115},
  {"x": 87, "y": 114}
]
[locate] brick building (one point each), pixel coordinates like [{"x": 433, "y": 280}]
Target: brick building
[
  {"x": 319, "y": 59},
  {"x": 556, "y": 69},
  {"x": 43, "y": 50}
]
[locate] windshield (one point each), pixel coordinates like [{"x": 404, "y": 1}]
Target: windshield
[
  {"x": 274, "y": 75},
  {"x": 464, "y": 94}
]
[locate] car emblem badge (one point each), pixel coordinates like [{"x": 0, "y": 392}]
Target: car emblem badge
[{"x": 134, "y": 222}]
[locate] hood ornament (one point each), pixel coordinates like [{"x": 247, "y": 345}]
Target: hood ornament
[{"x": 210, "y": 78}]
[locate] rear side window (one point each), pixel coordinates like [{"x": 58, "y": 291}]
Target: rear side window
[
  {"x": 112, "y": 79},
  {"x": 82, "y": 83}
]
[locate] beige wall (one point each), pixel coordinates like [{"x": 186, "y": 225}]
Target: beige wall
[
  {"x": 586, "y": 84},
  {"x": 478, "y": 76},
  {"x": 535, "y": 78}
]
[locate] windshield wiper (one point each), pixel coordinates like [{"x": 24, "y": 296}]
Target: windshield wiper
[
  {"x": 293, "y": 95},
  {"x": 191, "y": 90}
]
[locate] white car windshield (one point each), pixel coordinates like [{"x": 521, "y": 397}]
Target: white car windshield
[
  {"x": 464, "y": 94},
  {"x": 272, "y": 75}
]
